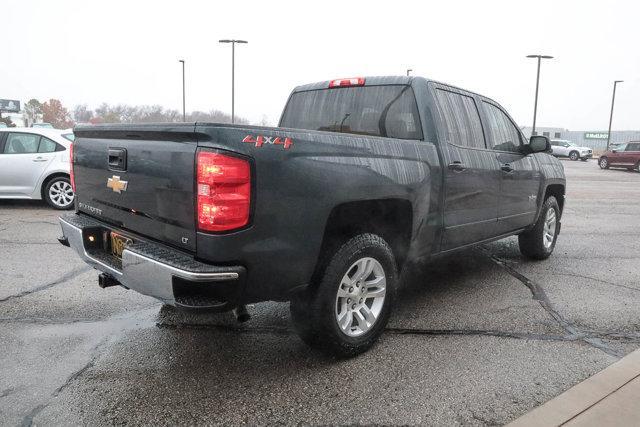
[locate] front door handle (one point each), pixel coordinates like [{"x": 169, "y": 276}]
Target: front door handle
[
  {"x": 39, "y": 159},
  {"x": 506, "y": 168},
  {"x": 456, "y": 166}
]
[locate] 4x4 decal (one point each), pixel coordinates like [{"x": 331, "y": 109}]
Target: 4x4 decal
[{"x": 261, "y": 140}]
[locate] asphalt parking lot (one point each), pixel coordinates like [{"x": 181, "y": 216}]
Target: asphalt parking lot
[{"x": 478, "y": 338}]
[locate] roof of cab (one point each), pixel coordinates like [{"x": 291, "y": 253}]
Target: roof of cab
[{"x": 368, "y": 81}]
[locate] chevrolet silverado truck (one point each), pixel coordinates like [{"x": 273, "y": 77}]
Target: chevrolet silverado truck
[{"x": 362, "y": 176}]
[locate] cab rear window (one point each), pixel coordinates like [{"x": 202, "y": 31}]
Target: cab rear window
[{"x": 388, "y": 111}]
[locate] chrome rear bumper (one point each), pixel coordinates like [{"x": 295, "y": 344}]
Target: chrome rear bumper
[{"x": 148, "y": 268}]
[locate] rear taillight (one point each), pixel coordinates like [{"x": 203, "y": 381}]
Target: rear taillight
[
  {"x": 71, "y": 177},
  {"x": 353, "y": 81},
  {"x": 224, "y": 191}
]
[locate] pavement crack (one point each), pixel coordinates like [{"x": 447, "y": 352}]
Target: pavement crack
[
  {"x": 540, "y": 295},
  {"x": 481, "y": 332},
  {"x": 62, "y": 279},
  {"x": 581, "y": 276},
  {"x": 27, "y": 421}
]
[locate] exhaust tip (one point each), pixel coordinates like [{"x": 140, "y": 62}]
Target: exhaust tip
[{"x": 241, "y": 313}]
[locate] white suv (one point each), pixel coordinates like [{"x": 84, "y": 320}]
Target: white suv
[
  {"x": 34, "y": 164},
  {"x": 563, "y": 148}
]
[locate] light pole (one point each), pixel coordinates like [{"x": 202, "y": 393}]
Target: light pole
[
  {"x": 233, "y": 72},
  {"x": 613, "y": 100},
  {"x": 184, "y": 111},
  {"x": 409, "y": 70},
  {"x": 535, "y": 105}
]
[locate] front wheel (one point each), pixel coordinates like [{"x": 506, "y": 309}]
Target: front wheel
[
  {"x": 574, "y": 155},
  {"x": 603, "y": 163},
  {"x": 584, "y": 159},
  {"x": 539, "y": 242},
  {"x": 346, "y": 310},
  {"x": 58, "y": 193}
]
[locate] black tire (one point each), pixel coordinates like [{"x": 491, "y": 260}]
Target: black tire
[
  {"x": 603, "y": 163},
  {"x": 314, "y": 313},
  {"x": 62, "y": 202},
  {"x": 638, "y": 167},
  {"x": 532, "y": 242},
  {"x": 574, "y": 155},
  {"x": 584, "y": 160}
]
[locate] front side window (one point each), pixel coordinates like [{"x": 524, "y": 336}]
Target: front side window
[
  {"x": 620, "y": 147},
  {"x": 389, "y": 111},
  {"x": 460, "y": 119},
  {"x": 504, "y": 136},
  {"x": 21, "y": 143}
]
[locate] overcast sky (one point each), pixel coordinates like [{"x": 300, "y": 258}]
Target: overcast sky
[{"x": 85, "y": 52}]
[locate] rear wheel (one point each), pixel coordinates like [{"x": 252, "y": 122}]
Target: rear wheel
[
  {"x": 539, "y": 242},
  {"x": 638, "y": 166},
  {"x": 345, "y": 312},
  {"x": 603, "y": 163},
  {"x": 574, "y": 155},
  {"x": 58, "y": 193}
]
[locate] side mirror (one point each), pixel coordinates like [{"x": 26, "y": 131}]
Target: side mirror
[
  {"x": 614, "y": 151},
  {"x": 539, "y": 144}
]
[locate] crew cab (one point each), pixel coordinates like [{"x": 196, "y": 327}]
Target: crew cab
[{"x": 362, "y": 176}]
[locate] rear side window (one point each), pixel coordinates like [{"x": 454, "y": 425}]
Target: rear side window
[
  {"x": 460, "y": 119},
  {"x": 47, "y": 146},
  {"x": 504, "y": 136},
  {"x": 633, "y": 146},
  {"x": 21, "y": 143},
  {"x": 388, "y": 111}
]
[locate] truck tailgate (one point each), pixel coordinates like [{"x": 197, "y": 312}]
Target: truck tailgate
[{"x": 139, "y": 178}]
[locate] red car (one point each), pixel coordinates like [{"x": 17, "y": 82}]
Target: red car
[{"x": 625, "y": 155}]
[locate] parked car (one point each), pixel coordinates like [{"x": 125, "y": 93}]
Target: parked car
[
  {"x": 42, "y": 125},
  {"x": 562, "y": 148},
  {"x": 362, "y": 176},
  {"x": 3, "y": 125},
  {"x": 34, "y": 164},
  {"x": 625, "y": 155}
]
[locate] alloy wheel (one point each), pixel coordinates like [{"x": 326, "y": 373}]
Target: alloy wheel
[
  {"x": 61, "y": 194},
  {"x": 549, "y": 229},
  {"x": 360, "y": 297}
]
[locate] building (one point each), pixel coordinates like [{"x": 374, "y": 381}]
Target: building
[{"x": 594, "y": 139}]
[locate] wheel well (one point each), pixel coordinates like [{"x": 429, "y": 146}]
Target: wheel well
[
  {"x": 391, "y": 219},
  {"x": 48, "y": 179},
  {"x": 557, "y": 191}
]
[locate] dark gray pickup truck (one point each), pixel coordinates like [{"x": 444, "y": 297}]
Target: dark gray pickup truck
[{"x": 361, "y": 176}]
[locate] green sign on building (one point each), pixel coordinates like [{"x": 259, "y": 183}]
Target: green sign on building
[{"x": 596, "y": 135}]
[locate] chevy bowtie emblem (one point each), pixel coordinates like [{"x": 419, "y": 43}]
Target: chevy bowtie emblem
[{"x": 116, "y": 185}]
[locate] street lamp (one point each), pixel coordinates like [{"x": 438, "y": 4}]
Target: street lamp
[
  {"x": 409, "y": 70},
  {"x": 613, "y": 100},
  {"x": 233, "y": 65},
  {"x": 535, "y": 105},
  {"x": 184, "y": 112}
]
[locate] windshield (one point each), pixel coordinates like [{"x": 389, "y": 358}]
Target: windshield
[{"x": 389, "y": 111}]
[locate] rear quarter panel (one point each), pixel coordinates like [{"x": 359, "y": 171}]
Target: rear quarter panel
[{"x": 295, "y": 190}]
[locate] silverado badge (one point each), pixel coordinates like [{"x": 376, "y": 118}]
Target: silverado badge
[{"x": 116, "y": 185}]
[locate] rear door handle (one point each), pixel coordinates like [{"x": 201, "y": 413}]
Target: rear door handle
[
  {"x": 39, "y": 159},
  {"x": 506, "y": 168},
  {"x": 456, "y": 166}
]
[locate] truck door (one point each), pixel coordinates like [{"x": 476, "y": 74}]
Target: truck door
[
  {"x": 519, "y": 174},
  {"x": 471, "y": 173}
]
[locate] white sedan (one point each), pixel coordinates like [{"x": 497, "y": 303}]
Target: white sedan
[{"x": 35, "y": 164}]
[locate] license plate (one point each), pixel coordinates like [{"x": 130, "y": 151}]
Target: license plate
[{"x": 118, "y": 243}]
